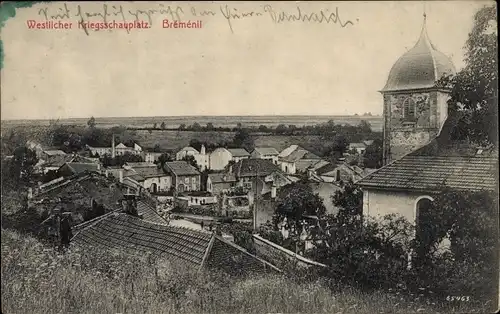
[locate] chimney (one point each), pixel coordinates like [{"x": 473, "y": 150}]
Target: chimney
[
  {"x": 30, "y": 193},
  {"x": 273, "y": 191},
  {"x": 121, "y": 175},
  {"x": 231, "y": 169},
  {"x": 106, "y": 173},
  {"x": 202, "y": 150},
  {"x": 113, "y": 153}
]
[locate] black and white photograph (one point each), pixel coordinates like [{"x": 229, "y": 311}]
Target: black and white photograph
[{"x": 249, "y": 157}]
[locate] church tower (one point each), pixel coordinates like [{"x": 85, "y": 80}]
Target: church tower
[{"x": 415, "y": 109}]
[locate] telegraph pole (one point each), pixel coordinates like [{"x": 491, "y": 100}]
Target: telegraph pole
[{"x": 256, "y": 197}]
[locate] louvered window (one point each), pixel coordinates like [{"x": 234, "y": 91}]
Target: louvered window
[{"x": 409, "y": 109}]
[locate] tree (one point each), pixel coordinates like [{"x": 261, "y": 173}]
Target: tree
[
  {"x": 210, "y": 126},
  {"x": 339, "y": 146},
  {"x": 196, "y": 127},
  {"x": 91, "y": 122},
  {"x": 190, "y": 159},
  {"x": 165, "y": 157},
  {"x": 196, "y": 144},
  {"x": 243, "y": 139},
  {"x": 365, "y": 127},
  {"x": 281, "y": 129},
  {"x": 182, "y": 126},
  {"x": 474, "y": 94},
  {"x": 157, "y": 148},
  {"x": 293, "y": 202},
  {"x": 22, "y": 165},
  {"x": 154, "y": 126},
  {"x": 372, "y": 157},
  {"x": 163, "y": 125},
  {"x": 349, "y": 200},
  {"x": 263, "y": 128}
]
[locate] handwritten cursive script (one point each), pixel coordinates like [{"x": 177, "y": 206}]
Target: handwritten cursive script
[
  {"x": 321, "y": 17},
  {"x": 177, "y": 13}
]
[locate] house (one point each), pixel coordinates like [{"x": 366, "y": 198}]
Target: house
[
  {"x": 220, "y": 182},
  {"x": 221, "y": 157},
  {"x": 326, "y": 190},
  {"x": 195, "y": 249},
  {"x": 151, "y": 157},
  {"x": 69, "y": 169},
  {"x": 122, "y": 149},
  {"x": 341, "y": 172},
  {"x": 269, "y": 153},
  {"x": 185, "y": 177},
  {"x": 295, "y": 159},
  {"x": 359, "y": 148},
  {"x": 150, "y": 177},
  {"x": 201, "y": 157},
  {"x": 56, "y": 162},
  {"x": 247, "y": 170},
  {"x": 100, "y": 151}
]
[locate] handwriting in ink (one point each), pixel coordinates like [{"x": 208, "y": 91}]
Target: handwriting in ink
[
  {"x": 322, "y": 17},
  {"x": 232, "y": 13}
]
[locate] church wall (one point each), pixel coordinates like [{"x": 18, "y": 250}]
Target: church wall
[
  {"x": 377, "y": 203},
  {"x": 442, "y": 107}
]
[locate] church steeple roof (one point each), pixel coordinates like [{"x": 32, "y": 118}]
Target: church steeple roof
[{"x": 420, "y": 67}]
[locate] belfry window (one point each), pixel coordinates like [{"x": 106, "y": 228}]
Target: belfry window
[{"x": 409, "y": 109}]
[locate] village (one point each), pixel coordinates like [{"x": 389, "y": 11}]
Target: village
[{"x": 406, "y": 217}]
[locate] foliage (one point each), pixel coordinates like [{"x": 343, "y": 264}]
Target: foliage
[
  {"x": 163, "y": 126},
  {"x": 349, "y": 199},
  {"x": 470, "y": 221},
  {"x": 243, "y": 139},
  {"x": 293, "y": 202},
  {"x": 474, "y": 90},
  {"x": 373, "y": 155},
  {"x": 91, "y": 122},
  {"x": 368, "y": 255},
  {"x": 19, "y": 169},
  {"x": 120, "y": 160},
  {"x": 165, "y": 157},
  {"x": 190, "y": 159}
]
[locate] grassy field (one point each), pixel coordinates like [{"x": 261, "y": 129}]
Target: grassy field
[
  {"x": 174, "y": 140},
  {"x": 36, "y": 279}
]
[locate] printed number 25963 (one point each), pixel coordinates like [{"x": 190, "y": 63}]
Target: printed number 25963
[{"x": 462, "y": 298}]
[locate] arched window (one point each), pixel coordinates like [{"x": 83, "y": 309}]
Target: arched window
[{"x": 409, "y": 109}]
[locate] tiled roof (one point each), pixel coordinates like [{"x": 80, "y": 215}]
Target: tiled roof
[
  {"x": 297, "y": 154},
  {"x": 150, "y": 172},
  {"x": 221, "y": 177},
  {"x": 181, "y": 168},
  {"x": 149, "y": 213},
  {"x": 140, "y": 164},
  {"x": 54, "y": 152},
  {"x": 266, "y": 150},
  {"x": 303, "y": 164},
  {"x": 436, "y": 172},
  {"x": 253, "y": 167},
  {"x": 60, "y": 160},
  {"x": 238, "y": 152},
  {"x": 80, "y": 167},
  {"x": 136, "y": 236},
  {"x": 189, "y": 149}
]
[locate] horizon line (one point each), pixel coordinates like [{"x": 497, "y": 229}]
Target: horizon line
[{"x": 190, "y": 116}]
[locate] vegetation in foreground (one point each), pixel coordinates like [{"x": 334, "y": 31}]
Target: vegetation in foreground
[{"x": 36, "y": 279}]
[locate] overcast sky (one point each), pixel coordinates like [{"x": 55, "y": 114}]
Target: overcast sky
[{"x": 259, "y": 68}]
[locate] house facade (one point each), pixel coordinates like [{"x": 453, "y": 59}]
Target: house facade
[
  {"x": 151, "y": 157},
  {"x": 295, "y": 159},
  {"x": 220, "y": 182},
  {"x": 151, "y": 178},
  {"x": 221, "y": 157},
  {"x": 185, "y": 178},
  {"x": 269, "y": 153}
]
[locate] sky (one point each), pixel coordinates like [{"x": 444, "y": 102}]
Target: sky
[{"x": 255, "y": 67}]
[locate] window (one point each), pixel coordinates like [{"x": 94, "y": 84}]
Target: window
[
  {"x": 409, "y": 109},
  {"x": 186, "y": 180},
  {"x": 193, "y": 179}
]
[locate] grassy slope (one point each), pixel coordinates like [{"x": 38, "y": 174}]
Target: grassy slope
[{"x": 38, "y": 280}]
